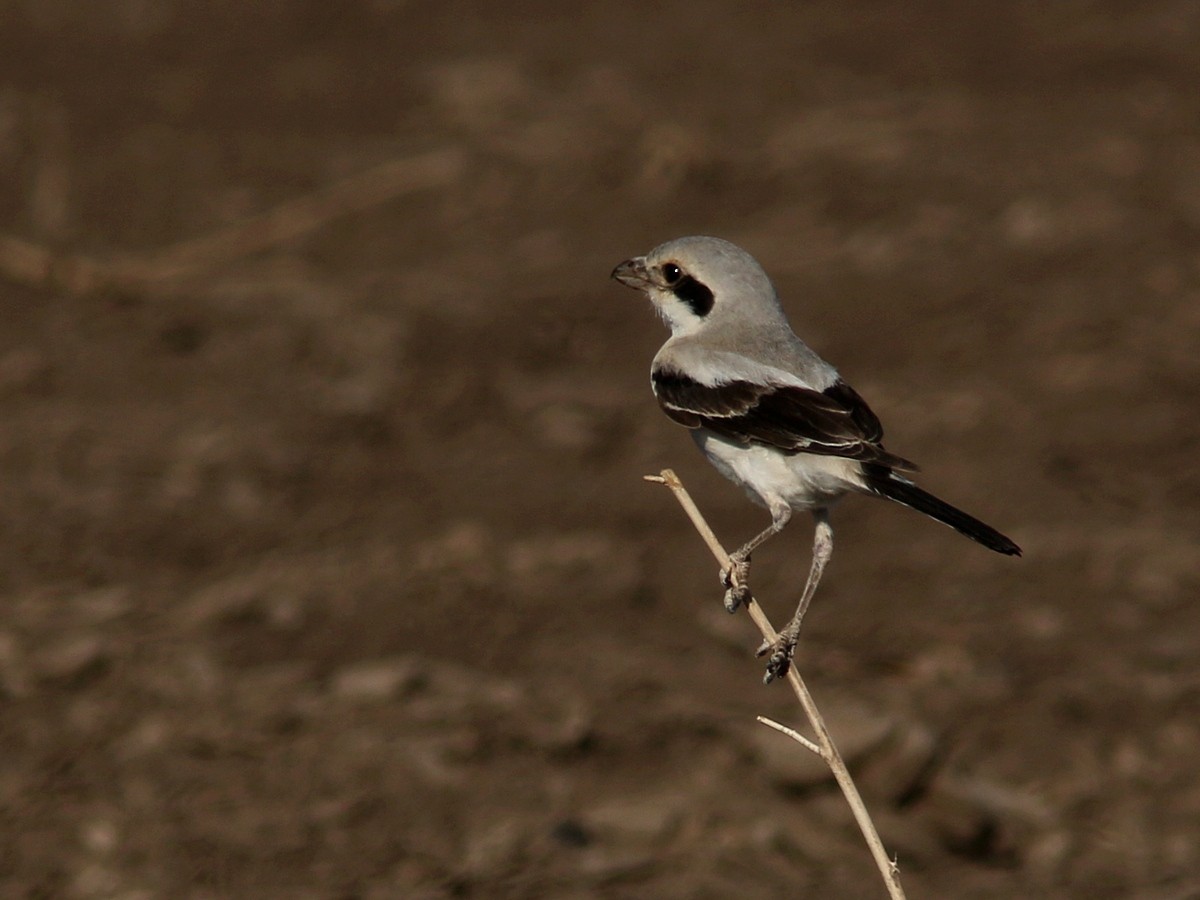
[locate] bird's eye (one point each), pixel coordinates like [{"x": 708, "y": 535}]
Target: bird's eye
[{"x": 672, "y": 273}]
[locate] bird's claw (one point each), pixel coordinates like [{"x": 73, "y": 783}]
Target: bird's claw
[
  {"x": 782, "y": 649},
  {"x": 736, "y": 580},
  {"x": 736, "y": 596}
]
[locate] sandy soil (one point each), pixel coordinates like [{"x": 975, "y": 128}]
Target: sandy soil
[{"x": 327, "y": 571}]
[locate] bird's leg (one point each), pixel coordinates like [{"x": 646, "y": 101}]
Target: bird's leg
[
  {"x": 782, "y": 648},
  {"x": 736, "y": 578}
]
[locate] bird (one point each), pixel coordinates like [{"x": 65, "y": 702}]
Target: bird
[{"x": 769, "y": 413}]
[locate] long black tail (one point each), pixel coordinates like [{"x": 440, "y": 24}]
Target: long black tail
[{"x": 886, "y": 483}]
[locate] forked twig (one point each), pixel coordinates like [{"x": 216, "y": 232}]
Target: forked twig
[
  {"x": 790, "y": 732},
  {"x": 824, "y": 745}
]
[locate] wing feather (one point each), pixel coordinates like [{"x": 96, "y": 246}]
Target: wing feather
[{"x": 833, "y": 422}]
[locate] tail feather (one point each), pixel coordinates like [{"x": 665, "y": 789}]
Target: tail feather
[{"x": 886, "y": 483}]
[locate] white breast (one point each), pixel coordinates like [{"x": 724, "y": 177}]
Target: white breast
[{"x": 803, "y": 481}]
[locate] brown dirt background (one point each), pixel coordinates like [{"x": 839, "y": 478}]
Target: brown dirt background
[{"x": 329, "y": 573}]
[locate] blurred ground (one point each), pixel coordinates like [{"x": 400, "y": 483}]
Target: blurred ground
[{"x": 328, "y": 572}]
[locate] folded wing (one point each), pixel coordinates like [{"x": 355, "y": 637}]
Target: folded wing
[{"x": 833, "y": 422}]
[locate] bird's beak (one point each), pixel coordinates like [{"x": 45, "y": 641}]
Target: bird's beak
[{"x": 632, "y": 273}]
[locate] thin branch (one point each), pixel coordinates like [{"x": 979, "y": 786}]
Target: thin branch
[
  {"x": 824, "y": 745},
  {"x": 792, "y": 733}
]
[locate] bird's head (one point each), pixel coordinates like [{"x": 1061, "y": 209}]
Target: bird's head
[{"x": 696, "y": 281}]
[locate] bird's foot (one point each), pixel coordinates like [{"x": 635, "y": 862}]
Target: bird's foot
[
  {"x": 736, "y": 580},
  {"x": 781, "y": 651}
]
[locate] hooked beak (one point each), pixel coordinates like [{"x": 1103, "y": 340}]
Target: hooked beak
[{"x": 633, "y": 273}]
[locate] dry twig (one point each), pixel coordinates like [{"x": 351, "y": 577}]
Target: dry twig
[{"x": 824, "y": 745}]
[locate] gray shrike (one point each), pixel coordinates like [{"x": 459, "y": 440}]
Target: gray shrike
[{"x": 770, "y": 414}]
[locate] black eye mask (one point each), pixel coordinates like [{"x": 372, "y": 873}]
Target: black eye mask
[{"x": 695, "y": 294}]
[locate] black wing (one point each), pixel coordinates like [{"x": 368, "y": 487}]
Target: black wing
[{"x": 833, "y": 422}]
